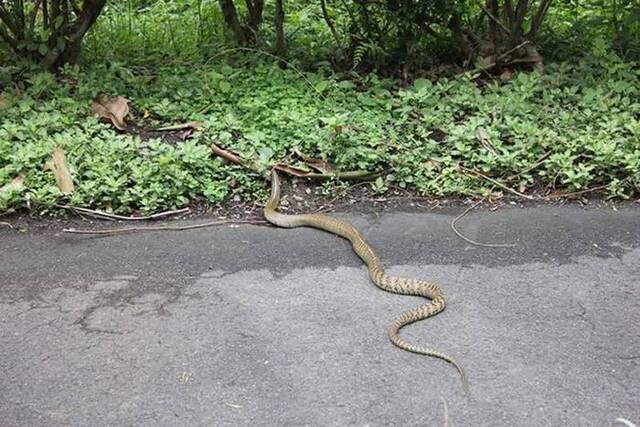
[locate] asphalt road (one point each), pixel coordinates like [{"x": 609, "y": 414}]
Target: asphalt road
[{"x": 254, "y": 325}]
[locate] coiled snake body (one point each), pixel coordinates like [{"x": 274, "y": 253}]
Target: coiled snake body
[{"x": 398, "y": 285}]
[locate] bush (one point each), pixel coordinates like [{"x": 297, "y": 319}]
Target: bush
[{"x": 49, "y": 31}]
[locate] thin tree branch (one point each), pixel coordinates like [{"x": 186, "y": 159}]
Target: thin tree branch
[
  {"x": 101, "y": 214},
  {"x": 473, "y": 242},
  {"x": 509, "y": 13},
  {"x": 532, "y": 167},
  {"x": 499, "y": 184},
  {"x": 578, "y": 193},
  {"x": 165, "y": 227},
  {"x": 91, "y": 9},
  {"x": 4, "y": 35},
  {"x": 6, "y": 17},
  {"x": 329, "y": 22},
  {"x": 34, "y": 15},
  {"x": 497, "y": 21},
  {"x": 543, "y": 8},
  {"x": 513, "y": 49}
]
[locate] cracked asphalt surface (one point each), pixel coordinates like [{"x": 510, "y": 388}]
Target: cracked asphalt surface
[{"x": 254, "y": 325}]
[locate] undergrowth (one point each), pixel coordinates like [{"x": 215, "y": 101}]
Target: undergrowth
[{"x": 574, "y": 127}]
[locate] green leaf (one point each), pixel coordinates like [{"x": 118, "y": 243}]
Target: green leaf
[
  {"x": 422, "y": 84},
  {"x": 43, "y": 49},
  {"x": 322, "y": 85}
]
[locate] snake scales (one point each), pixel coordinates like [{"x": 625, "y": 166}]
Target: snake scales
[{"x": 398, "y": 285}]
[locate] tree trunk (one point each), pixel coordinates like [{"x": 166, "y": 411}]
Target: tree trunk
[
  {"x": 245, "y": 34},
  {"x": 64, "y": 40},
  {"x": 69, "y": 51},
  {"x": 255, "y": 8},
  {"x": 231, "y": 18},
  {"x": 281, "y": 46}
]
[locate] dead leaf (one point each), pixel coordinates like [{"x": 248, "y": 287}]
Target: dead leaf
[
  {"x": 58, "y": 165},
  {"x": 146, "y": 114},
  {"x": 295, "y": 171},
  {"x": 320, "y": 165},
  {"x": 16, "y": 183},
  {"x": 506, "y": 75},
  {"x": 433, "y": 164},
  {"x": 3, "y": 101},
  {"x": 113, "y": 109}
]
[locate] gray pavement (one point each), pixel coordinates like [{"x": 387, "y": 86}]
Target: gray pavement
[{"x": 254, "y": 325}]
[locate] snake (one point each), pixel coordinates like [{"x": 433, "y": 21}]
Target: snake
[{"x": 398, "y": 285}]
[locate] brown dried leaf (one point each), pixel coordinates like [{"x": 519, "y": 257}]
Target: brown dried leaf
[
  {"x": 3, "y": 102},
  {"x": 506, "y": 75},
  {"x": 433, "y": 164},
  {"x": 320, "y": 165},
  {"x": 58, "y": 165},
  {"x": 294, "y": 171},
  {"x": 16, "y": 183},
  {"x": 113, "y": 109}
]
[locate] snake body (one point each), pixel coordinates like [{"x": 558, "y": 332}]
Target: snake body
[{"x": 398, "y": 285}]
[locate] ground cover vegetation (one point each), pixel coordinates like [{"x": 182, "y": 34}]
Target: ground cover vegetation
[{"x": 444, "y": 98}]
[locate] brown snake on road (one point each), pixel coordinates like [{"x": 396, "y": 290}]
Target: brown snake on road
[{"x": 398, "y": 285}]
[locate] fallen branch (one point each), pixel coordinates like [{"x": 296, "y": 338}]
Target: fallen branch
[
  {"x": 227, "y": 155},
  {"x": 578, "y": 193},
  {"x": 530, "y": 168},
  {"x": 473, "y": 242},
  {"x": 510, "y": 51},
  {"x": 291, "y": 170},
  {"x": 499, "y": 184},
  {"x": 105, "y": 215},
  {"x": 7, "y": 212},
  {"x": 329, "y": 175},
  {"x": 163, "y": 227},
  {"x": 7, "y": 224}
]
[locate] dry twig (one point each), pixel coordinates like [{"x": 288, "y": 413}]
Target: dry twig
[
  {"x": 497, "y": 21},
  {"x": 530, "y": 168},
  {"x": 227, "y": 155},
  {"x": 105, "y": 215},
  {"x": 497, "y": 183},
  {"x": 473, "y": 242},
  {"x": 578, "y": 193},
  {"x": 164, "y": 227},
  {"x": 446, "y": 412}
]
